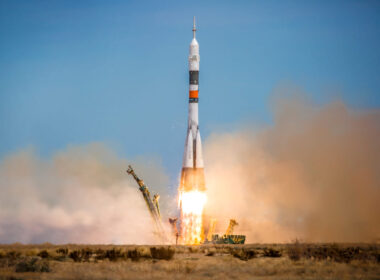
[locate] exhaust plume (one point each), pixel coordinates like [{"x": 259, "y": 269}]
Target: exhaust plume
[
  {"x": 80, "y": 195},
  {"x": 314, "y": 175}
]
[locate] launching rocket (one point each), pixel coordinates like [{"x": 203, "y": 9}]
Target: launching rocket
[
  {"x": 192, "y": 175},
  {"x": 192, "y": 188}
]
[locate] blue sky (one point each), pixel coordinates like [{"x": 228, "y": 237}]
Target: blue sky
[{"x": 74, "y": 72}]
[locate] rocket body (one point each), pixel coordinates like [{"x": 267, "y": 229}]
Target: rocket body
[
  {"x": 192, "y": 196},
  {"x": 192, "y": 175}
]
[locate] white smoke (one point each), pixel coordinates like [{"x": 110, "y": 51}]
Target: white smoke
[{"x": 79, "y": 195}]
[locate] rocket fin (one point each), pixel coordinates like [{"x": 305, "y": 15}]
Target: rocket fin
[
  {"x": 198, "y": 152},
  {"x": 188, "y": 159}
]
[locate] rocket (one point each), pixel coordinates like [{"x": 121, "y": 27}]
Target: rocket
[
  {"x": 192, "y": 195},
  {"x": 192, "y": 175}
]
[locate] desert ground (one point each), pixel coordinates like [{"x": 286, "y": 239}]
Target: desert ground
[{"x": 251, "y": 261}]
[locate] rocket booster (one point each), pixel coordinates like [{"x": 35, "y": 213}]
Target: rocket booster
[{"x": 192, "y": 175}]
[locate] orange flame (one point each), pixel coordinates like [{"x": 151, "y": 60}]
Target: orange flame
[{"x": 192, "y": 204}]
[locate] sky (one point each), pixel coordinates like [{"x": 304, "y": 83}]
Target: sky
[{"x": 76, "y": 72}]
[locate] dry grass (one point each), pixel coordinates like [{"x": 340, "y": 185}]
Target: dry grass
[{"x": 264, "y": 261}]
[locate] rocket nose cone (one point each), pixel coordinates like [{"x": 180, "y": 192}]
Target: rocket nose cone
[{"x": 194, "y": 42}]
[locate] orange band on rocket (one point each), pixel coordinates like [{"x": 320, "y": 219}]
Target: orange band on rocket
[{"x": 193, "y": 94}]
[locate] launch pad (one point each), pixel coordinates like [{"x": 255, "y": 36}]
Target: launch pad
[{"x": 164, "y": 237}]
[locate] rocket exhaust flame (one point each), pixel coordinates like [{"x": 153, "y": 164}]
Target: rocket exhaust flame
[
  {"x": 192, "y": 195},
  {"x": 192, "y": 204}
]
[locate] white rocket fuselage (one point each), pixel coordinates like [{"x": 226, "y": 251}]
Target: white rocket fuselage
[{"x": 192, "y": 177}]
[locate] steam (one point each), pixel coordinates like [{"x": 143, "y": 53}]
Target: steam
[
  {"x": 80, "y": 195},
  {"x": 314, "y": 175}
]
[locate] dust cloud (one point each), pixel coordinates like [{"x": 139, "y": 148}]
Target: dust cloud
[
  {"x": 314, "y": 174},
  {"x": 79, "y": 195}
]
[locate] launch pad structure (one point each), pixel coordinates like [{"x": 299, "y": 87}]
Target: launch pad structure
[{"x": 164, "y": 237}]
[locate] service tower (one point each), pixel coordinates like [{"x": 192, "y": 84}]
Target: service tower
[{"x": 192, "y": 196}]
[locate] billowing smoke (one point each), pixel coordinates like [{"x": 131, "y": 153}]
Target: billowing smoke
[
  {"x": 79, "y": 195},
  {"x": 313, "y": 175}
]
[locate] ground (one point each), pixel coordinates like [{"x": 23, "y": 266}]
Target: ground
[{"x": 252, "y": 261}]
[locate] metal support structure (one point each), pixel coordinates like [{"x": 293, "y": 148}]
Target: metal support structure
[{"x": 153, "y": 207}]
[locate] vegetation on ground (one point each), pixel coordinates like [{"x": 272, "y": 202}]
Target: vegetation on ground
[{"x": 296, "y": 261}]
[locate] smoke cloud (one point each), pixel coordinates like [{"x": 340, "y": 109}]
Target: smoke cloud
[
  {"x": 313, "y": 175},
  {"x": 79, "y": 195}
]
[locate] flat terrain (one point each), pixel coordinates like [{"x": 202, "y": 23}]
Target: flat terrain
[{"x": 254, "y": 261}]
